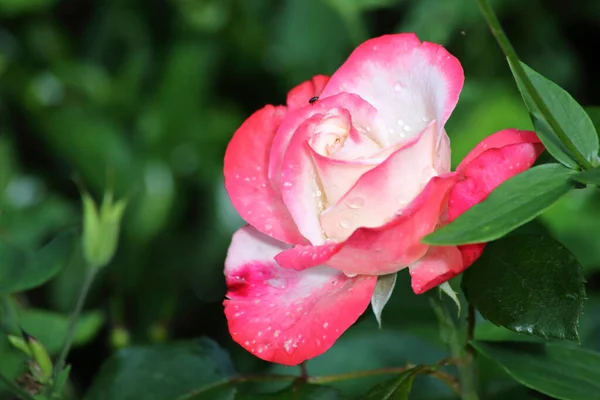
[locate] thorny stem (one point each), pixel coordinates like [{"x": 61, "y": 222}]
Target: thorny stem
[
  {"x": 513, "y": 60},
  {"x": 15, "y": 389}
]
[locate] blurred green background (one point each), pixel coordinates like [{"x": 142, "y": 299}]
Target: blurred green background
[{"x": 145, "y": 95}]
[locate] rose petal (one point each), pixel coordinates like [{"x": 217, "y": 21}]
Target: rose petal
[
  {"x": 440, "y": 264},
  {"x": 409, "y": 83},
  {"x": 338, "y": 176},
  {"x": 499, "y": 139},
  {"x": 301, "y": 188},
  {"x": 387, "y": 188},
  {"x": 285, "y": 316},
  {"x": 363, "y": 118},
  {"x": 496, "y": 159},
  {"x": 301, "y": 94},
  {"x": 246, "y": 179},
  {"x": 382, "y": 250}
]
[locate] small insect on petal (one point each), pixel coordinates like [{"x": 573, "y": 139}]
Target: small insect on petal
[{"x": 313, "y": 99}]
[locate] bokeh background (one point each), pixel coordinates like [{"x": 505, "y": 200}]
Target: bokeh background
[{"x": 144, "y": 95}]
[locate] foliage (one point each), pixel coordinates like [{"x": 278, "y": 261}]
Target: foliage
[{"x": 141, "y": 98}]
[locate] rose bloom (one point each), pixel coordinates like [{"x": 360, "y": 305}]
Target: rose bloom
[{"x": 341, "y": 189}]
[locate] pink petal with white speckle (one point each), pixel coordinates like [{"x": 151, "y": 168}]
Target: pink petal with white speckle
[
  {"x": 285, "y": 316},
  {"x": 409, "y": 82},
  {"x": 385, "y": 249},
  {"x": 496, "y": 159},
  {"x": 386, "y": 189},
  {"x": 246, "y": 180}
]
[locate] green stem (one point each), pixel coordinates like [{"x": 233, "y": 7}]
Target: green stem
[
  {"x": 87, "y": 283},
  {"x": 513, "y": 60},
  {"x": 444, "y": 377},
  {"x": 467, "y": 368},
  {"x": 15, "y": 389}
]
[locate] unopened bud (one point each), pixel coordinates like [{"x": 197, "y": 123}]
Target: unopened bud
[
  {"x": 101, "y": 229},
  {"x": 41, "y": 365}
]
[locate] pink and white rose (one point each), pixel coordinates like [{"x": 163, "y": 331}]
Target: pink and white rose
[{"x": 339, "y": 190}]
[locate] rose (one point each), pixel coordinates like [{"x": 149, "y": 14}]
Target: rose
[{"x": 340, "y": 189}]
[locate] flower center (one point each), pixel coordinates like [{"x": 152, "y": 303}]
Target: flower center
[{"x": 331, "y": 134}]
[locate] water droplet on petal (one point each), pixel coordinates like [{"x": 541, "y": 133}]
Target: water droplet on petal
[
  {"x": 425, "y": 119},
  {"x": 407, "y": 128},
  {"x": 397, "y": 87},
  {"x": 350, "y": 275},
  {"x": 288, "y": 346},
  {"x": 355, "y": 203},
  {"x": 400, "y": 122},
  {"x": 345, "y": 224}
]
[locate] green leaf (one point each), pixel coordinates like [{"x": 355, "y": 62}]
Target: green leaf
[
  {"x": 381, "y": 295},
  {"x": 571, "y": 117},
  {"x": 16, "y": 7},
  {"x": 589, "y": 177},
  {"x": 185, "y": 370},
  {"x": 562, "y": 372},
  {"x": 512, "y": 204},
  {"x": 293, "y": 392},
  {"x": 50, "y": 328},
  {"x": 594, "y": 114},
  {"x": 21, "y": 270},
  {"x": 397, "y": 388},
  {"x": 528, "y": 284}
]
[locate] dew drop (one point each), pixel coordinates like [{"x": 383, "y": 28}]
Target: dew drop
[
  {"x": 288, "y": 346},
  {"x": 397, "y": 87},
  {"x": 407, "y": 128},
  {"x": 287, "y": 184},
  {"x": 400, "y": 122},
  {"x": 425, "y": 119},
  {"x": 345, "y": 224},
  {"x": 350, "y": 275},
  {"x": 355, "y": 203}
]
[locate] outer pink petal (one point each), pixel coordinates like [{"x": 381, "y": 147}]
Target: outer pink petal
[
  {"x": 246, "y": 180},
  {"x": 382, "y": 250},
  {"x": 385, "y": 189},
  {"x": 499, "y": 139},
  {"x": 285, "y": 316},
  {"x": 410, "y": 83},
  {"x": 486, "y": 169},
  {"x": 301, "y": 94},
  {"x": 436, "y": 267}
]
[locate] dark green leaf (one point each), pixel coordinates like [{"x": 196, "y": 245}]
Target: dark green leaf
[
  {"x": 594, "y": 114},
  {"x": 183, "y": 370},
  {"x": 294, "y": 392},
  {"x": 397, "y": 388},
  {"x": 563, "y": 372},
  {"x": 589, "y": 177},
  {"x": 512, "y": 204},
  {"x": 21, "y": 270},
  {"x": 571, "y": 117},
  {"x": 529, "y": 284},
  {"x": 50, "y": 328}
]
